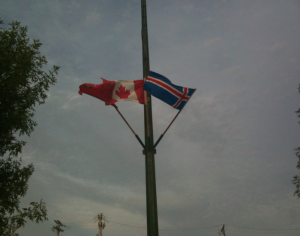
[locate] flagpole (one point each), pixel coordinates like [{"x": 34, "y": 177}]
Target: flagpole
[{"x": 152, "y": 218}]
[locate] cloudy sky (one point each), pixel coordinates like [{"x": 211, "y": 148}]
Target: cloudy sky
[{"x": 228, "y": 158}]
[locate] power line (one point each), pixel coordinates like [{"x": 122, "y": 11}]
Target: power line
[
  {"x": 83, "y": 224},
  {"x": 261, "y": 229},
  {"x": 204, "y": 228},
  {"x": 143, "y": 227},
  {"x": 107, "y": 219},
  {"x": 78, "y": 224},
  {"x": 133, "y": 226}
]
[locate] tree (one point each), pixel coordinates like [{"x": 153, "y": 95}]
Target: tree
[
  {"x": 296, "y": 180},
  {"x": 14, "y": 185},
  {"x": 23, "y": 84}
]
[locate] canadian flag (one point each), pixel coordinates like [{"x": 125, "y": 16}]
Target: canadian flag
[{"x": 112, "y": 91}]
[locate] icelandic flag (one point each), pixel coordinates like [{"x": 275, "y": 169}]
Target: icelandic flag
[{"x": 162, "y": 88}]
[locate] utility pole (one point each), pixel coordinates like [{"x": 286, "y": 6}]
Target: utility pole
[
  {"x": 152, "y": 218},
  {"x": 58, "y": 227},
  {"x": 101, "y": 225},
  {"x": 222, "y": 232}
]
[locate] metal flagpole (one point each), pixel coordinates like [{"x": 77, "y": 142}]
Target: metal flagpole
[{"x": 152, "y": 219}]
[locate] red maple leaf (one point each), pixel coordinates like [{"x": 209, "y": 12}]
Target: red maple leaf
[{"x": 122, "y": 93}]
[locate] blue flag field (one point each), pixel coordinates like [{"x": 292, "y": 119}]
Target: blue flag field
[{"x": 162, "y": 88}]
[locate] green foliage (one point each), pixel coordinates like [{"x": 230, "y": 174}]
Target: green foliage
[
  {"x": 15, "y": 186},
  {"x": 23, "y": 84},
  {"x": 296, "y": 180}
]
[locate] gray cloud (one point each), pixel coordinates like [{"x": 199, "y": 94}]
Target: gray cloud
[{"x": 227, "y": 159}]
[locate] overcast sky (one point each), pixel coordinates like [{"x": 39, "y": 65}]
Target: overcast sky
[{"x": 228, "y": 158}]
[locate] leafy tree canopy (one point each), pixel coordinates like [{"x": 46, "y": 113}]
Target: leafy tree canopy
[
  {"x": 14, "y": 185},
  {"x": 296, "y": 180},
  {"x": 23, "y": 84}
]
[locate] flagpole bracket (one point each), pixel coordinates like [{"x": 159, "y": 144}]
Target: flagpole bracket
[
  {"x": 161, "y": 136},
  {"x": 140, "y": 141}
]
